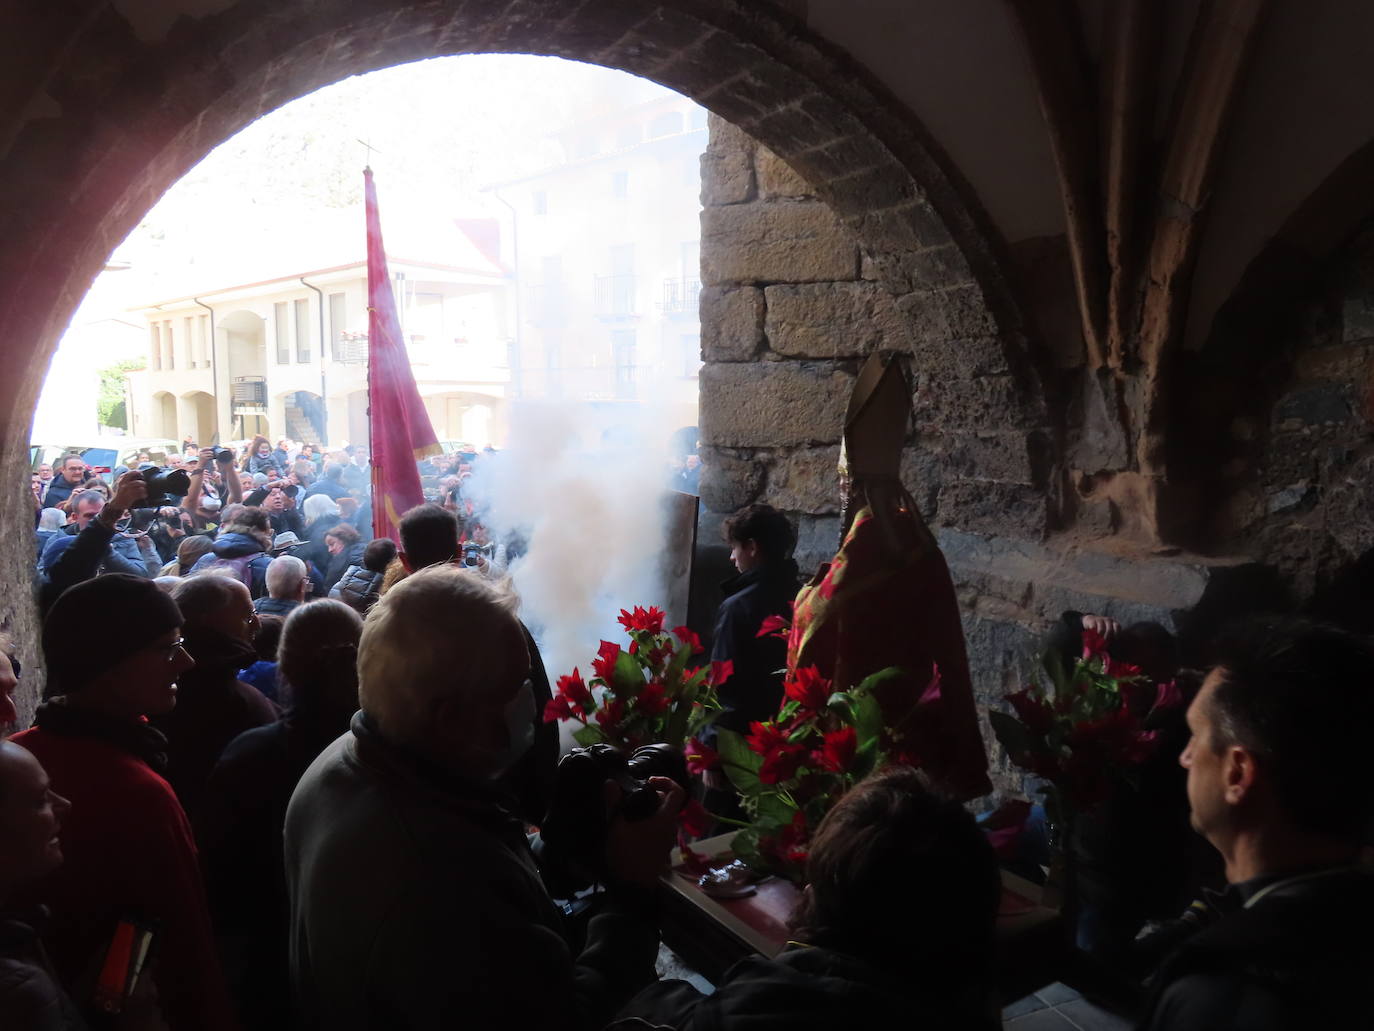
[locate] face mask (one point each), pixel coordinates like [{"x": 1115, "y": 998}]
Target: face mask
[{"x": 519, "y": 716}]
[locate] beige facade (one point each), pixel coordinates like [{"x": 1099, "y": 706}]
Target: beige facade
[{"x": 231, "y": 362}]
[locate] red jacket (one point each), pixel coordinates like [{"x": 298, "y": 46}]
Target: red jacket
[{"x": 129, "y": 852}]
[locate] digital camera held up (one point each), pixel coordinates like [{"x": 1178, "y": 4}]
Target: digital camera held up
[
  {"x": 575, "y": 831},
  {"x": 166, "y": 486}
]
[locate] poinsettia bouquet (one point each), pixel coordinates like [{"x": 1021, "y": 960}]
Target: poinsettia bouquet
[
  {"x": 791, "y": 770},
  {"x": 644, "y": 694},
  {"x": 1087, "y": 723}
]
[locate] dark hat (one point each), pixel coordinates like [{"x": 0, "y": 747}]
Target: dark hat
[{"x": 102, "y": 621}]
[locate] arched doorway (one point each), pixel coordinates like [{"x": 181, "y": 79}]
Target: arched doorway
[
  {"x": 115, "y": 145},
  {"x": 198, "y": 417},
  {"x": 244, "y": 403},
  {"x": 165, "y": 415}
]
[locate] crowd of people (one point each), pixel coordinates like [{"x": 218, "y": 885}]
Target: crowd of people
[{"x": 307, "y": 765}]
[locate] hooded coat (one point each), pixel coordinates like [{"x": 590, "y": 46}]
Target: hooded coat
[{"x": 232, "y": 544}]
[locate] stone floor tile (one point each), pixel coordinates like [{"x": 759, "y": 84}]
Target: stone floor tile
[
  {"x": 1057, "y": 993},
  {"x": 1041, "y": 1020},
  {"x": 1027, "y": 1005}
]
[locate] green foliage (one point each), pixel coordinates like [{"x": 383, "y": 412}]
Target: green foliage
[{"x": 109, "y": 406}]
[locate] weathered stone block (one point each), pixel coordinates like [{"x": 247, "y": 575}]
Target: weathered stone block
[
  {"x": 772, "y": 404},
  {"x": 960, "y": 359},
  {"x": 818, "y": 538},
  {"x": 806, "y": 480},
  {"x": 778, "y": 242},
  {"x": 729, "y": 483},
  {"x": 776, "y": 178},
  {"x": 987, "y": 506},
  {"x": 958, "y": 312},
  {"x": 727, "y": 167},
  {"x": 1315, "y": 405},
  {"x": 995, "y": 456},
  {"x": 1357, "y": 322},
  {"x": 834, "y": 320},
  {"x": 923, "y": 475},
  {"x": 731, "y": 323},
  {"x": 968, "y": 405}
]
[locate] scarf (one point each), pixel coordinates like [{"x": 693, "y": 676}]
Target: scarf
[{"x": 137, "y": 738}]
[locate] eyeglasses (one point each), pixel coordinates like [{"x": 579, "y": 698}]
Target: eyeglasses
[{"x": 170, "y": 649}]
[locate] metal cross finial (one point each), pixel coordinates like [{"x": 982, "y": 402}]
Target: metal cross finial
[{"x": 370, "y": 149}]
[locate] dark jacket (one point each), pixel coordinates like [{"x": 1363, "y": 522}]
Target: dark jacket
[
  {"x": 804, "y": 989},
  {"x": 269, "y": 606},
  {"x": 59, "y": 490},
  {"x": 271, "y": 465},
  {"x": 350, "y": 556},
  {"x": 754, "y": 690},
  {"x": 213, "y": 707},
  {"x": 359, "y": 588},
  {"x": 240, "y": 836},
  {"x": 73, "y": 557},
  {"x": 1299, "y": 957},
  {"x": 40, "y": 539},
  {"x": 239, "y": 545},
  {"x": 30, "y": 995},
  {"x": 446, "y": 922}
]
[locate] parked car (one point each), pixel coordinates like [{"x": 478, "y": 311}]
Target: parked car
[{"x": 104, "y": 454}]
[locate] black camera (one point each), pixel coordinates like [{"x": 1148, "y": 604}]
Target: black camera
[
  {"x": 574, "y": 832},
  {"x": 166, "y": 486},
  {"x": 224, "y": 454},
  {"x": 472, "y": 552}
]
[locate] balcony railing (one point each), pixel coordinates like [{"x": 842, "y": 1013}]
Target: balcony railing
[
  {"x": 615, "y": 297},
  {"x": 351, "y": 349},
  {"x": 249, "y": 392},
  {"x": 681, "y": 297}
]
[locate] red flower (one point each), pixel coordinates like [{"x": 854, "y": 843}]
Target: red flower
[
  {"x": 573, "y": 689},
  {"x": 650, "y": 619},
  {"x": 808, "y": 688},
  {"x": 1119, "y": 670},
  {"x": 774, "y": 626},
  {"x": 721, "y": 671},
  {"x": 764, "y": 737},
  {"x": 652, "y": 701},
  {"x": 1032, "y": 710},
  {"x": 781, "y": 764},
  {"x": 1168, "y": 696},
  {"x": 687, "y": 635},
  {"x": 694, "y": 862},
  {"x": 612, "y": 714},
  {"x": 838, "y": 752},
  {"x": 695, "y": 820},
  {"x": 604, "y": 663},
  {"x": 1094, "y": 644},
  {"x": 700, "y": 758},
  {"x": 557, "y": 708},
  {"x": 1006, "y": 827}
]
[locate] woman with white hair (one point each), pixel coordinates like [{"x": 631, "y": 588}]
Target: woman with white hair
[
  {"x": 50, "y": 523},
  {"x": 321, "y": 515}
]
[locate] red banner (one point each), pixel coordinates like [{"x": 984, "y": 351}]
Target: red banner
[{"x": 399, "y": 425}]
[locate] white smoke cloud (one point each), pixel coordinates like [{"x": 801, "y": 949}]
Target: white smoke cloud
[{"x": 584, "y": 489}]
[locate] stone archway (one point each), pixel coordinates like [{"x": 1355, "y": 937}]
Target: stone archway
[{"x": 129, "y": 108}]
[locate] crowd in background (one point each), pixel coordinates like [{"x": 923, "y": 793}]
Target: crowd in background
[{"x": 305, "y": 763}]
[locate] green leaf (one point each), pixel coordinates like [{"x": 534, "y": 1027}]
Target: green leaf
[
  {"x": 773, "y": 808},
  {"x": 741, "y": 764},
  {"x": 1010, "y": 732},
  {"x": 868, "y": 718},
  {"x": 1053, "y": 665},
  {"x": 675, "y": 730},
  {"x": 678, "y": 664},
  {"x": 874, "y": 681},
  {"x": 588, "y": 735},
  {"x": 627, "y": 678},
  {"x": 842, "y": 704}
]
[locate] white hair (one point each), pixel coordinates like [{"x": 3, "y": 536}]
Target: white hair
[
  {"x": 284, "y": 576},
  {"x": 317, "y": 506},
  {"x": 52, "y": 519},
  {"x": 404, "y": 668}
]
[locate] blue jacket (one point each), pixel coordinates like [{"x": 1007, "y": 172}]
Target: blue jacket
[
  {"x": 58, "y": 491},
  {"x": 71, "y": 558},
  {"x": 237, "y": 545}
]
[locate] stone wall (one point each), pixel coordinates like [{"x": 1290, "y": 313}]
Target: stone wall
[{"x": 791, "y": 305}]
